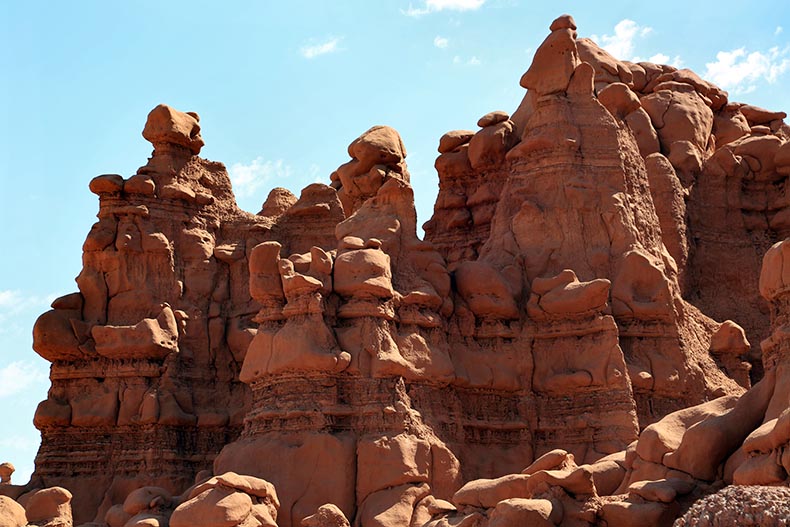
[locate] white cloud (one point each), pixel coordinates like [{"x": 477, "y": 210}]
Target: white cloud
[
  {"x": 661, "y": 58},
  {"x": 474, "y": 61},
  {"x": 17, "y": 376},
  {"x": 321, "y": 48},
  {"x": 247, "y": 178},
  {"x": 440, "y": 42},
  {"x": 622, "y": 44},
  {"x": 739, "y": 70},
  {"x": 778, "y": 30},
  {"x": 432, "y": 6}
]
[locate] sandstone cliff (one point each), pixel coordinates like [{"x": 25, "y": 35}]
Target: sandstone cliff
[{"x": 559, "y": 349}]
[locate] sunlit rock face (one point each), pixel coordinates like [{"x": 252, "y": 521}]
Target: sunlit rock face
[{"x": 565, "y": 347}]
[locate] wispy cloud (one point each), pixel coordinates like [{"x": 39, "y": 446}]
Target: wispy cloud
[
  {"x": 313, "y": 50},
  {"x": 778, "y": 30},
  {"x": 621, "y": 44},
  {"x": 440, "y": 42},
  {"x": 17, "y": 376},
  {"x": 315, "y": 175},
  {"x": 8, "y": 298},
  {"x": 472, "y": 61},
  {"x": 740, "y": 70},
  {"x": 432, "y": 6},
  {"x": 14, "y": 302},
  {"x": 248, "y": 177}
]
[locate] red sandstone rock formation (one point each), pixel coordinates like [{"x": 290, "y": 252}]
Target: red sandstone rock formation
[
  {"x": 545, "y": 356},
  {"x": 740, "y": 440}
]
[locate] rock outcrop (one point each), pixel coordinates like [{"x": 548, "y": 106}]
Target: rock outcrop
[
  {"x": 564, "y": 347},
  {"x": 732, "y": 440}
]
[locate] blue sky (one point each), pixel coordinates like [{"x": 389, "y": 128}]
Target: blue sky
[{"x": 282, "y": 88}]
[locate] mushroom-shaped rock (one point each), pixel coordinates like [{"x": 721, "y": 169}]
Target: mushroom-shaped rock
[
  {"x": 775, "y": 274},
  {"x": 729, "y": 339},
  {"x": 730, "y": 346},
  {"x": 492, "y": 118},
  {"x": 53, "y": 335},
  {"x": 454, "y": 139},
  {"x": 490, "y": 145},
  {"x": 554, "y": 61},
  {"x": 563, "y": 22},
  {"x": 363, "y": 273},
  {"x": 168, "y": 126},
  {"x": 6, "y": 469},
  {"x": 106, "y": 184},
  {"x": 51, "y": 506},
  {"x": 378, "y": 156},
  {"x": 381, "y": 145}
]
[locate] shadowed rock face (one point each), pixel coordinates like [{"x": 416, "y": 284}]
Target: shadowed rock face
[{"x": 557, "y": 317}]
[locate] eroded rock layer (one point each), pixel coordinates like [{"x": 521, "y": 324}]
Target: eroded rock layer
[{"x": 559, "y": 349}]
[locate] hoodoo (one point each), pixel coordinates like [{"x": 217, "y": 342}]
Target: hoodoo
[{"x": 564, "y": 348}]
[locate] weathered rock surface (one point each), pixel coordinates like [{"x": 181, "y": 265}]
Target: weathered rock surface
[
  {"x": 565, "y": 347},
  {"x": 747, "y": 506}
]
